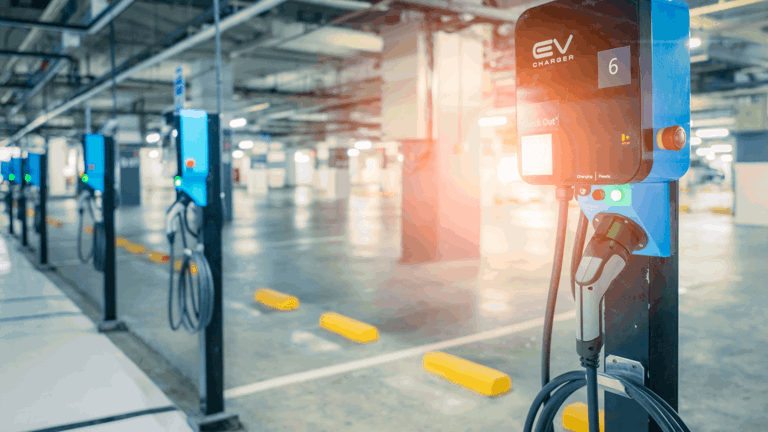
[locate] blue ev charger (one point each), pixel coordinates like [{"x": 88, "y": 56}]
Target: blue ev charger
[
  {"x": 5, "y": 170},
  {"x": 603, "y": 99},
  {"x": 193, "y": 154},
  {"x": 33, "y": 168},
  {"x": 93, "y": 156},
  {"x": 16, "y": 173}
]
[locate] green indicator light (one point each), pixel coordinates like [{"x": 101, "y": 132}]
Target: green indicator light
[
  {"x": 27, "y": 178},
  {"x": 85, "y": 178},
  {"x": 11, "y": 177},
  {"x": 177, "y": 181}
]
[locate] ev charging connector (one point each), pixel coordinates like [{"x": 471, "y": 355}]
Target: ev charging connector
[{"x": 605, "y": 257}]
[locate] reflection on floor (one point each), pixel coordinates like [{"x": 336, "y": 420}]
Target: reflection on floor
[{"x": 341, "y": 256}]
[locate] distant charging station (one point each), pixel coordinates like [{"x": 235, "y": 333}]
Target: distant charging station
[
  {"x": 33, "y": 169},
  {"x": 16, "y": 171},
  {"x": 93, "y": 151}
]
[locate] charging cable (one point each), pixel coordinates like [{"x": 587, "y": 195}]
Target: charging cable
[{"x": 191, "y": 295}]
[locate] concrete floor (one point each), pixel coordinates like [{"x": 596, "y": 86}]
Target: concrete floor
[{"x": 341, "y": 256}]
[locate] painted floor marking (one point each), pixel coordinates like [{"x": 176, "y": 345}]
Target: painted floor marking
[
  {"x": 327, "y": 371},
  {"x": 310, "y": 342},
  {"x": 446, "y": 403},
  {"x": 243, "y": 308}
]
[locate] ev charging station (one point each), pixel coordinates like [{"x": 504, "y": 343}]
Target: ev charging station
[
  {"x": 603, "y": 103},
  {"x": 99, "y": 180},
  {"x": 5, "y": 172},
  {"x": 195, "y": 296},
  {"x": 37, "y": 168},
  {"x": 17, "y": 177}
]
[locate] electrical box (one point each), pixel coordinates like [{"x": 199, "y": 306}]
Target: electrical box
[
  {"x": 93, "y": 146},
  {"x": 603, "y": 92},
  {"x": 16, "y": 171},
  {"x": 193, "y": 155},
  {"x": 33, "y": 169}
]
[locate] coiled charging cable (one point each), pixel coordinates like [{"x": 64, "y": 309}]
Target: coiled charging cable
[
  {"x": 192, "y": 293},
  {"x": 98, "y": 250}
]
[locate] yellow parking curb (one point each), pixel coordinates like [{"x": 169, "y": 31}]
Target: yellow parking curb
[
  {"x": 88, "y": 229},
  {"x": 685, "y": 209},
  {"x": 575, "y": 418},
  {"x": 473, "y": 376},
  {"x": 159, "y": 257},
  {"x": 121, "y": 242},
  {"x": 721, "y": 210},
  {"x": 135, "y": 248},
  {"x": 276, "y": 299},
  {"x": 349, "y": 328}
]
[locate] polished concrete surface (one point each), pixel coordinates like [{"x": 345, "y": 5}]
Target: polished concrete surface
[
  {"x": 56, "y": 371},
  {"x": 341, "y": 256}
]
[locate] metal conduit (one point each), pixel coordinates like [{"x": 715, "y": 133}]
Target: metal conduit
[{"x": 182, "y": 46}]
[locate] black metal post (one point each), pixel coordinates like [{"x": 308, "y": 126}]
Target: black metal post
[
  {"x": 9, "y": 205},
  {"x": 21, "y": 206},
  {"x": 108, "y": 206},
  {"x": 212, "y": 339},
  {"x": 641, "y": 324},
  {"x": 43, "y": 250}
]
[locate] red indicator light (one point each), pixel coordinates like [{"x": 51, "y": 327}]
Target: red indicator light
[{"x": 190, "y": 163}]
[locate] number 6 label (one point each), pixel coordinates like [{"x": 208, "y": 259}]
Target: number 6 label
[{"x": 614, "y": 67}]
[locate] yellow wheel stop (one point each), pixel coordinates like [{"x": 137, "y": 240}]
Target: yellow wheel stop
[
  {"x": 135, "y": 248},
  {"x": 119, "y": 241},
  {"x": 276, "y": 300},
  {"x": 349, "y": 328},
  {"x": 575, "y": 418},
  {"x": 473, "y": 376},
  {"x": 159, "y": 257}
]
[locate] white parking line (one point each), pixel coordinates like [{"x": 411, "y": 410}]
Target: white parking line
[{"x": 314, "y": 374}]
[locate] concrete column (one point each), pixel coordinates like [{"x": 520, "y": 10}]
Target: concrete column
[{"x": 431, "y": 100}]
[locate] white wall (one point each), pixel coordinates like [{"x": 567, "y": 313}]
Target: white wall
[{"x": 751, "y": 194}]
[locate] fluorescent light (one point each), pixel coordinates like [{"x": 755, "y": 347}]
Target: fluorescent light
[
  {"x": 695, "y": 141},
  {"x": 722, "y": 148},
  {"x": 353, "y": 152},
  {"x": 703, "y": 151},
  {"x": 719, "y": 121},
  {"x": 301, "y": 157},
  {"x": 153, "y": 138},
  {"x": 237, "y": 154},
  {"x": 712, "y": 133},
  {"x": 492, "y": 121},
  {"x": 174, "y": 133},
  {"x": 694, "y": 42},
  {"x": 711, "y": 156},
  {"x": 238, "y": 122},
  {"x": 245, "y": 145},
  {"x": 363, "y": 145},
  {"x": 726, "y": 158},
  {"x": 154, "y": 154},
  {"x": 400, "y": 158}
]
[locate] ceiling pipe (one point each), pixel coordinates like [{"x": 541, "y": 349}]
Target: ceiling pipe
[
  {"x": 94, "y": 27},
  {"x": 202, "y": 36},
  {"x": 102, "y": 20}
]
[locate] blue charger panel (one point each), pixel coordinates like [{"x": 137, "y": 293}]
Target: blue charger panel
[
  {"x": 671, "y": 75},
  {"x": 94, "y": 161},
  {"x": 33, "y": 168},
  {"x": 645, "y": 203},
  {"x": 5, "y": 169},
  {"x": 15, "y": 174},
  {"x": 193, "y": 136}
]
